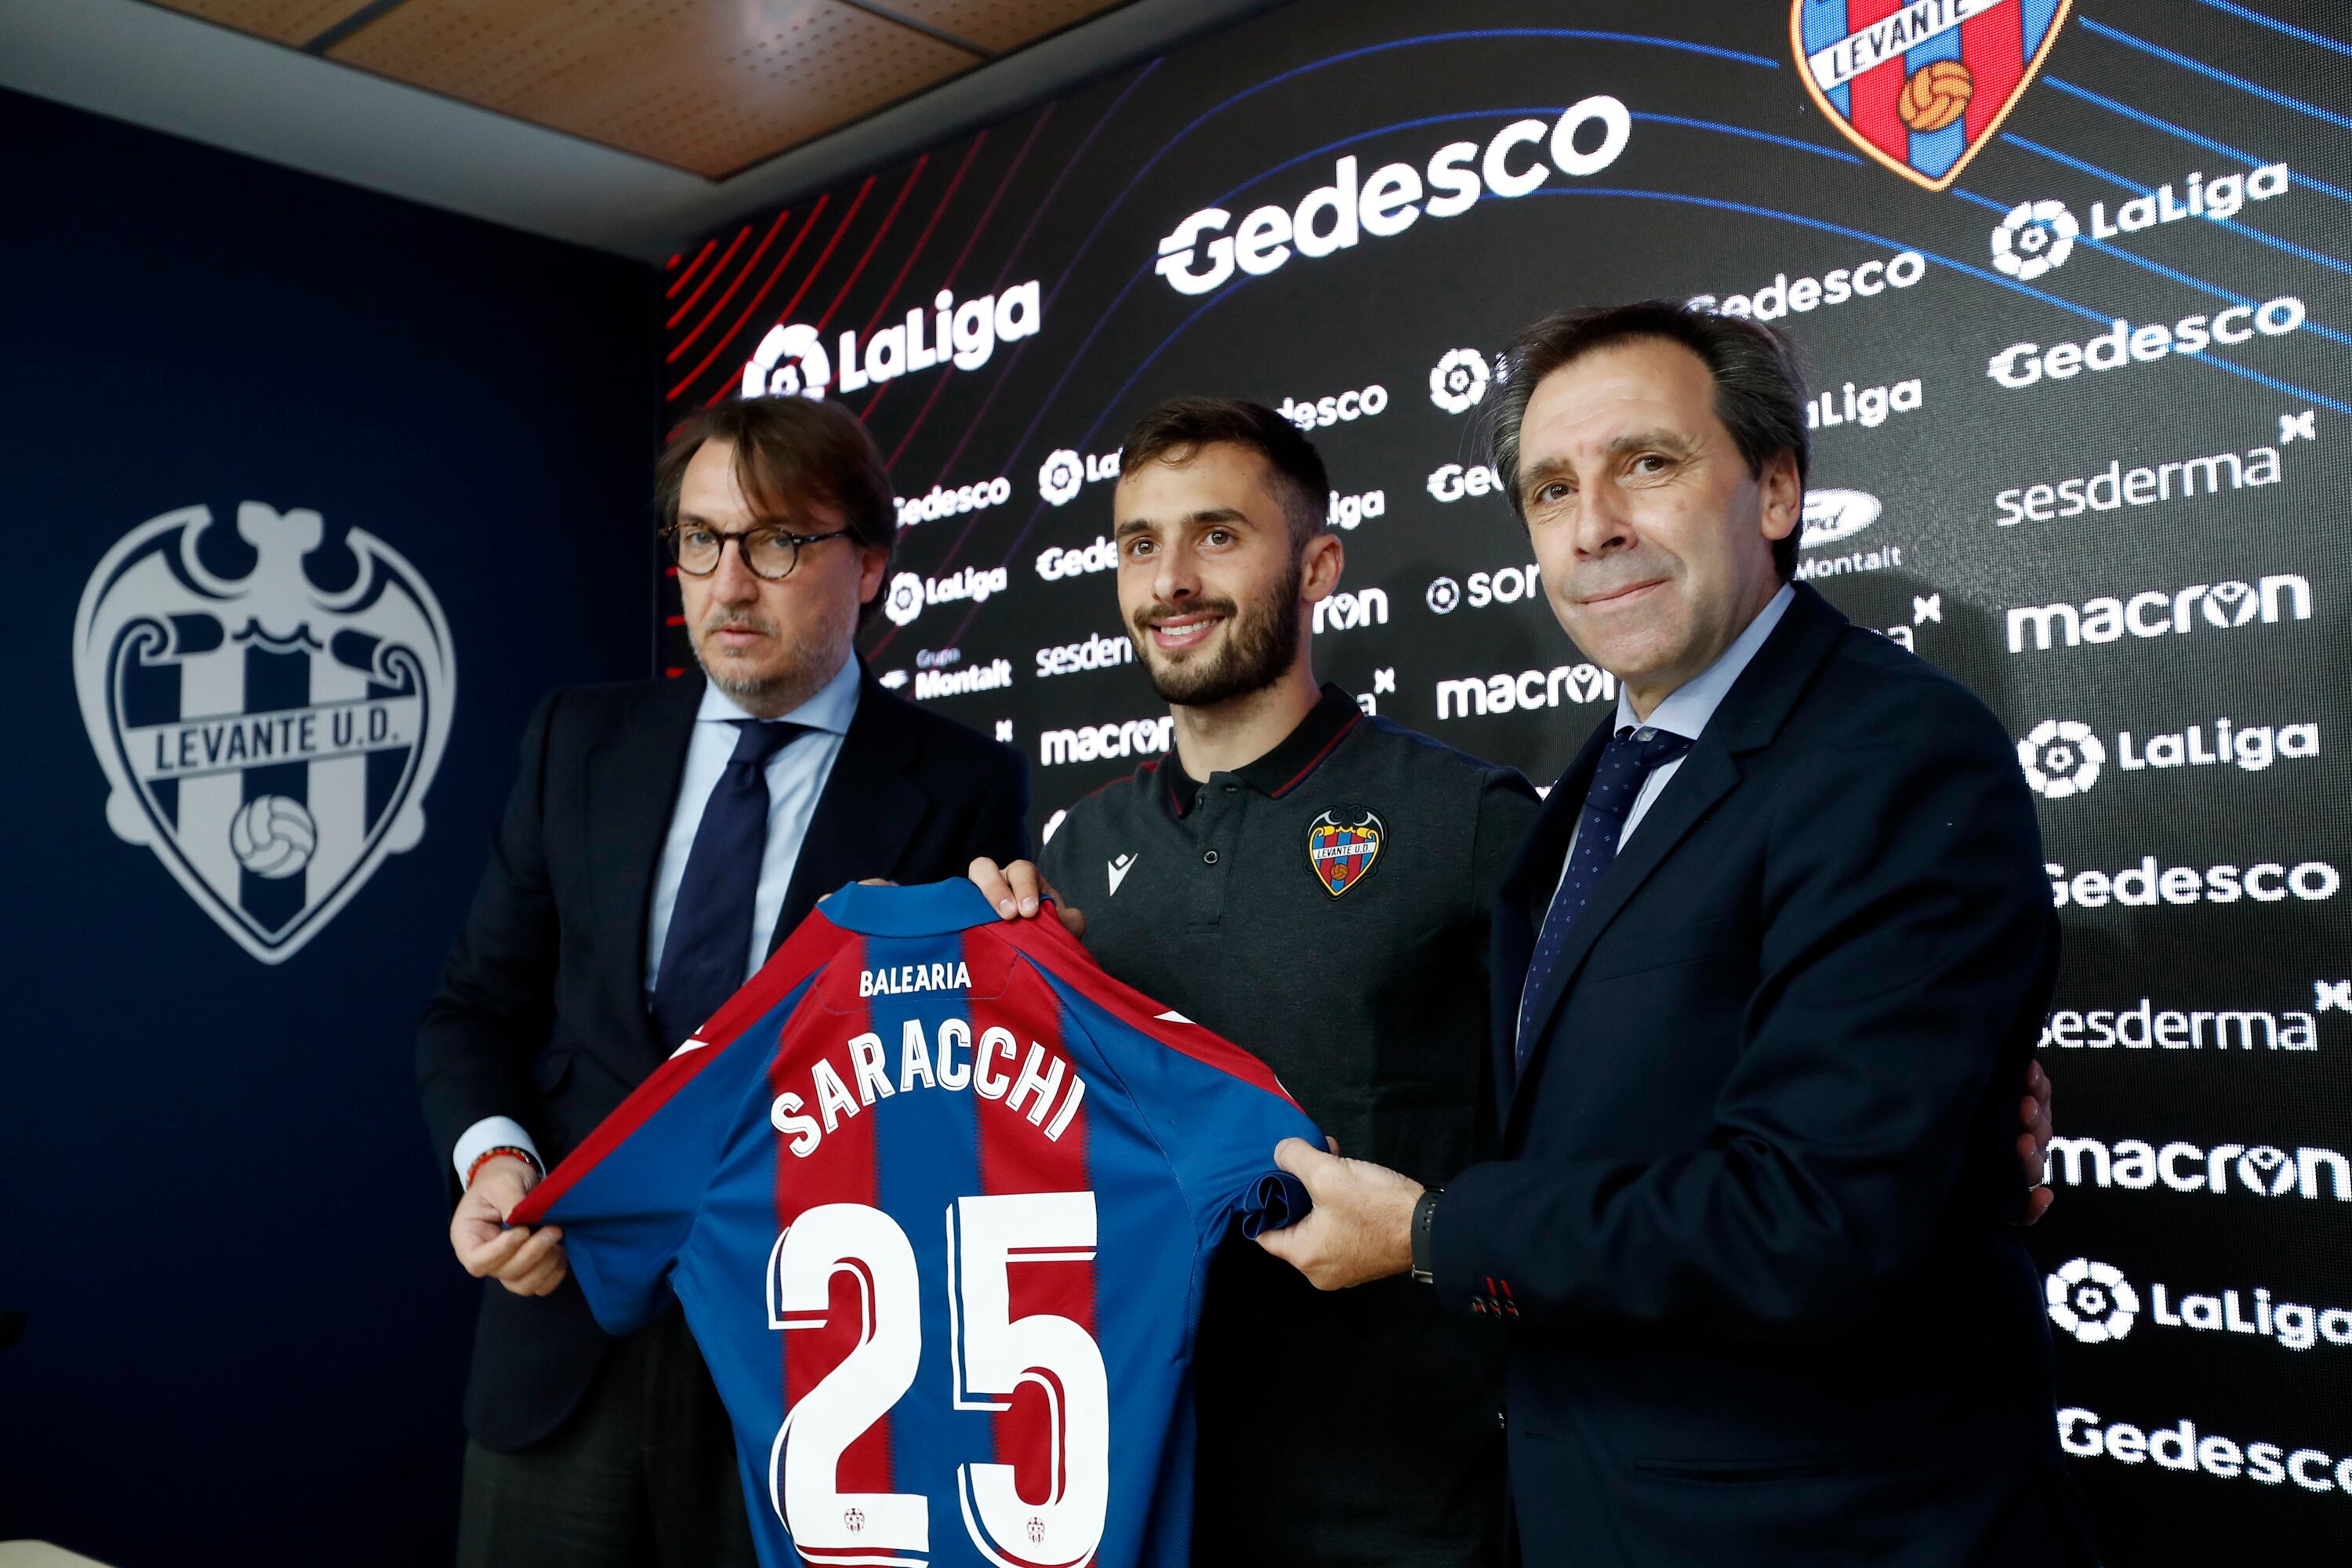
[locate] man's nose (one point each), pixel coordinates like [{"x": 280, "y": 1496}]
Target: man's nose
[
  {"x": 732, "y": 581},
  {"x": 1604, "y": 521},
  {"x": 1176, "y": 576}
]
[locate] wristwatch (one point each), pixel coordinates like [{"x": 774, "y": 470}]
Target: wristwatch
[{"x": 1424, "y": 1211}]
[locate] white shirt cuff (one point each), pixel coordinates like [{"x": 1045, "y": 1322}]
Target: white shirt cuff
[{"x": 492, "y": 1133}]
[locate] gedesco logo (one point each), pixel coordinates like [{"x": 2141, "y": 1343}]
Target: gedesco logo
[
  {"x": 1064, "y": 472},
  {"x": 2180, "y": 1448},
  {"x": 1452, "y": 481},
  {"x": 2146, "y": 885},
  {"x": 1784, "y": 296},
  {"x": 941, "y": 501},
  {"x": 1055, "y": 562},
  {"x": 2062, "y": 757},
  {"x": 1321, "y": 413},
  {"x": 2037, "y": 236},
  {"x": 2022, "y": 363},
  {"x": 2097, "y": 1305},
  {"x": 1204, "y": 249},
  {"x": 792, "y": 359}
]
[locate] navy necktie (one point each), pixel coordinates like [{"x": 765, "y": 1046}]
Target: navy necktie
[
  {"x": 710, "y": 937},
  {"x": 1630, "y": 756}
]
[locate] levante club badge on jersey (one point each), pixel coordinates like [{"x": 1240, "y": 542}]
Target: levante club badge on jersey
[
  {"x": 1921, "y": 87},
  {"x": 1342, "y": 846},
  {"x": 269, "y": 703}
]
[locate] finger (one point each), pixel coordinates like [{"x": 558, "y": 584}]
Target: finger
[
  {"x": 1072, "y": 920},
  {"x": 494, "y": 1254},
  {"x": 988, "y": 877},
  {"x": 2036, "y": 1079},
  {"x": 531, "y": 1253},
  {"x": 1299, "y": 1157},
  {"x": 2037, "y": 1203},
  {"x": 1026, "y": 883},
  {"x": 1330, "y": 1143},
  {"x": 542, "y": 1280}
]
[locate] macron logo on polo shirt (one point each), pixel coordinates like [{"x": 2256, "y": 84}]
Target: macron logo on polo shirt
[{"x": 1119, "y": 870}]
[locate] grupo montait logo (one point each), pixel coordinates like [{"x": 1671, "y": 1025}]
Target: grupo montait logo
[
  {"x": 2033, "y": 238},
  {"x": 269, "y": 736},
  {"x": 2061, "y": 757},
  {"x": 1458, "y": 380},
  {"x": 2092, "y": 1301},
  {"x": 1830, "y": 515},
  {"x": 791, "y": 359},
  {"x": 1200, "y": 254}
]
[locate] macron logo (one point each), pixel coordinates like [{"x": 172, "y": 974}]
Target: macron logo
[{"x": 1119, "y": 870}]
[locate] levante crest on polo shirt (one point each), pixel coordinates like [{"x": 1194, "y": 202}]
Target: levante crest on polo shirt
[
  {"x": 1921, "y": 87},
  {"x": 269, "y": 705},
  {"x": 1341, "y": 851}
]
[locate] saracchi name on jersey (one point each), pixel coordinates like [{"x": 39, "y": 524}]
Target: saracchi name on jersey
[{"x": 1044, "y": 1081}]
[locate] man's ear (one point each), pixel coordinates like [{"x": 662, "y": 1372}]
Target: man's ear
[
  {"x": 1320, "y": 565},
  {"x": 873, "y": 565},
  {"x": 1781, "y": 495}
]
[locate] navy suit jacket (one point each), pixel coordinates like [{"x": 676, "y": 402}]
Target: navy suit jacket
[
  {"x": 1750, "y": 1231},
  {"x": 540, "y": 1014}
]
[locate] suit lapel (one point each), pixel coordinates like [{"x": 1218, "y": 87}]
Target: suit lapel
[
  {"x": 1750, "y": 718},
  {"x": 631, "y": 777},
  {"x": 868, "y": 813}
]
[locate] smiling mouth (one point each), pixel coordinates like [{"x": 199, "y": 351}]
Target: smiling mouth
[
  {"x": 1619, "y": 595},
  {"x": 1179, "y": 632}
]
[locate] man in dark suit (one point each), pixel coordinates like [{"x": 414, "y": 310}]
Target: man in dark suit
[
  {"x": 661, "y": 839},
  {"x": 1765, "y": 975}
]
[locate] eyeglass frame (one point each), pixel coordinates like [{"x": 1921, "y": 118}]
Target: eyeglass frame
[{"x": 742, "y": 548}]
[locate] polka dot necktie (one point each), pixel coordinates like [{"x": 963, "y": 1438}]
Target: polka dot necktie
[
  {"x": 709, "y": 939},
  {"x": 1630, "y": 756}
]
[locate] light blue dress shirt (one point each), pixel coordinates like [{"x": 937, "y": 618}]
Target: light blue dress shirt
[
  {"x": 796, "y": 777},
  {"x": 1689, "y": 706}
]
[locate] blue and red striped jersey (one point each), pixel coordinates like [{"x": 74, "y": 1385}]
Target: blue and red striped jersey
[{"x": 939, "y": 1197}]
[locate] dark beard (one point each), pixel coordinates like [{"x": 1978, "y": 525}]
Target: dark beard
[{"x": 1260, "y": 646}]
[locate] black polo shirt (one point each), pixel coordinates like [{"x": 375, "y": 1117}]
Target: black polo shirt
[{"x": 1326, "y": 907}]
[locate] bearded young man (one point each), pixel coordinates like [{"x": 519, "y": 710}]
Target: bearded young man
[{"x": 662, "y": 837}]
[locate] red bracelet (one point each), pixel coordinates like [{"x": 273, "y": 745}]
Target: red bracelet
[{"x": 488, "y": 1154}]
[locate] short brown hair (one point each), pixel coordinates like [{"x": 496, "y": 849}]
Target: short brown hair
[
  {"x": 789, "y": 451},
  {"x": 1182, "y": 426},
  {"x": 1759, "y": 392}
]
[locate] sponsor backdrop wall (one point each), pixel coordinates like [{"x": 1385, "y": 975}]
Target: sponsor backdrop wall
[
  {"x": 2075, "y": 289},
  {"x": 313, "y": 492}
]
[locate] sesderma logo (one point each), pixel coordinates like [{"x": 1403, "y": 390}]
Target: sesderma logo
[
  {"x": 2258, "y": 1169},
  {"x": 2148, "y": 1028},
  {"x": 1200, "y": 254},
  {"x": 2155, "y": 612},
  {"x": 2096, "y": 1305},
  {"x": 2136, "y": 487}
]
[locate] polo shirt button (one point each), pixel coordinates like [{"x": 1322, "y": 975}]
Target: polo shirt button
[{"x": 1210, "y": 859}]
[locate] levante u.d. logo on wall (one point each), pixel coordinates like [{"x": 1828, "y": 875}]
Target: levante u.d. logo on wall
[
  {"x": 1921, "y": 87},
  {"x": 269, "y": 704}
]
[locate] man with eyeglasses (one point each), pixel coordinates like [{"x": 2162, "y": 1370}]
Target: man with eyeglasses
[{"x": 662, "y": 837}]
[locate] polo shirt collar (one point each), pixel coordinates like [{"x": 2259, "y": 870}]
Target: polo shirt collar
[{"x": 1286, "y": 766}]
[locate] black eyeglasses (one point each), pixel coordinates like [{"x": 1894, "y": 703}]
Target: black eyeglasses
[{"x": 770, "y": 550}]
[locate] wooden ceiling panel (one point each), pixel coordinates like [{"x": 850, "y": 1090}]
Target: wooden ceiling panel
[
  {"x": 998, "y": 24},
  {"x": 707, "y": 85},
  {"x": 295, "y": 22}
]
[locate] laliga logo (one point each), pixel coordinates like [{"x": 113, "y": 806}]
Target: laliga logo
[
  {"x": 2092, "y": 1301},
  {"x": 1336, "y": 217},
  {"x": 1833, "y": 515},
  {"x": 271, "y": 739},
  {"x": 904, "y": 600},
  {"x": 2061, "y": 757},
  {"x": 1458, "y": 380},
  {"x": 790, "y": 361},
  {"x": 1064, "y": 472},
  {"x": 2035, "y": 238}
]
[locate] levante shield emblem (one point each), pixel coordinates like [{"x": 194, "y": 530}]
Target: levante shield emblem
[
  {"x": 269, "y": 704},
  {"x": 1921, "y": 87},
  {"x": 1339, "y": 852}
]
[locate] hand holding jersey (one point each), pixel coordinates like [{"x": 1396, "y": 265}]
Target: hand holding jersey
[{"x": 525, "y": 1261}]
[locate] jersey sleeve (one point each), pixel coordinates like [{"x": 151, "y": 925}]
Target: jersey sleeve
[
  {"x": 628, "y": 1196},
  {"x": 1216, "y": 1111}
]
